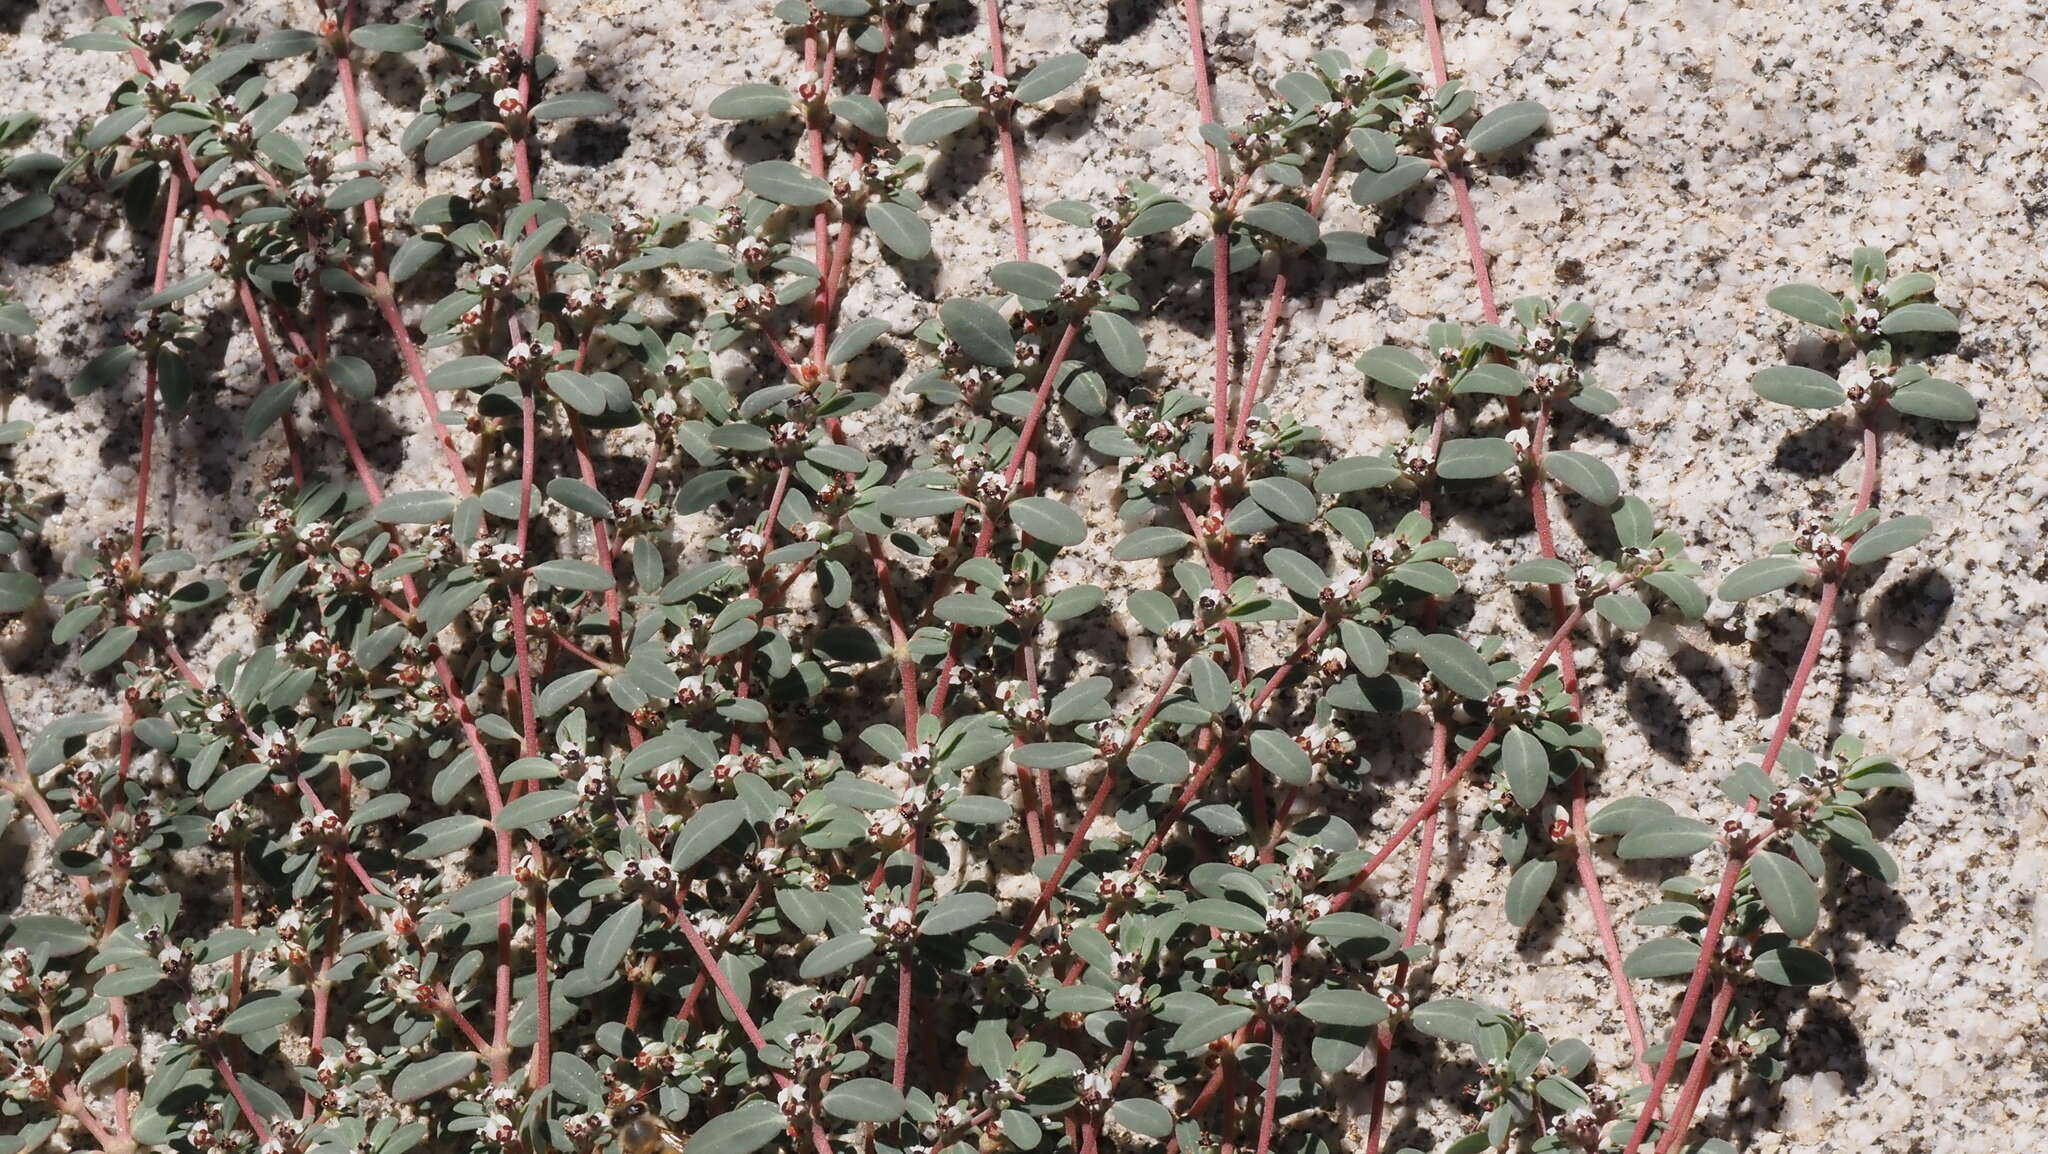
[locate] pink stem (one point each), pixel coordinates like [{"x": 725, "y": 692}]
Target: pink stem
[
  {"x": 1274, "y": 299},
  {"x": 166, "y": 240},
  {"x": 1006, "y": 135},
  {"x": 382, "y": 290},
  {"x": 1710, "y": 939},
  {"x": 1702, "y": 1065},
  {"x": 1539, "y": 507}
]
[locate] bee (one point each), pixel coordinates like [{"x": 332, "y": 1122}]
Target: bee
[{"x": 647, "y": 1134}]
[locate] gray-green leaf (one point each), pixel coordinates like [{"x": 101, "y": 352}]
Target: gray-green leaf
[
  {"x": 1799, "y": 387},
  {"x": 1788, "y": 892},
  {"x": 1050, "y": 78},
  {"x": 1506, "y": 126}
]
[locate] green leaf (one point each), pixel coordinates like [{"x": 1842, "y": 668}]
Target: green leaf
[
  {"x": 741, "y": 1131},
  {"x": 1809, "y": 303},
  {"x": 1492, "y": 380},
  {"x": 863, "y": 112},
  {"x": 1119, "y": 341},
  {"x": 1761, "y": 576},
  {"x": 576, "y": 496},
  {"x": 1143, "y": 1116},
  {"x": 1475, "y": 458},
  {"x": 103, "y": 370},
  {"x": 260, "y": 1012},
  {"x": 1589, "y": 477},
  {"x": 1332, "y": 1006},
  {"x": 1290, "y": 222},
  {"x": 61, "y": 936},
  {"x": 1394, "y": 367},
  {"x": 1457, "y": 665},
  {"x": 1052, "y": 754},
  {"x": 1157, "y": 216},
  {"x": 900, "y": 230},
  {"x": 1662, "y": 958},
  {"x": 1377, "y": 185},
  {"x": 1526, "y": 765},
  {"x": 1788, "y": 892},
  {"x": 958, "y": 911},
  {"x": 570, "y": 1077},
  {"x": 1223, "y": 914},
  {"x": 612, "y": 939},
  {"x": 1050, "y": 78},
  {"x": 1452, "y": 1019},
  {"x": 1799, "y": 387},
  {"x": 707, "y": 829},
  {"x": 1295, "y": 570},
  {"x": 114, "y": 126},
  {"x": 1506, "y": 126},
  {"x": 1281, "y": 757},
  {"x": 417, "y": 507},
  {"x": 854, "y": 339},
  {"x": 534, "y": 811},
  {"x": 98, "y": 42},
  {"x": 1027, "y": 279},
  {"x": 428, "y": 1075},
  {"x": 18, "y": 591},
  {"x": 174, "y": 292},
  {"x": 1354, "y": 473},
  {"x": 752, "y": 102},
  {"x": 415, "y": 254},
  {"x": 1665, "y": 836},
  {"x": 1683, "y": 592},
  {"x": 1343, "y": 246},
  {"x": 466, "y": 373},
  {"x": 1151, "y": 541},
  {"x": 785, "y": 183},
  {"x": 1917, "y": 318},
  {"x": 936, "y": 124},
  {"x": 1541, "y": 571},
  {"x": 980, "y": 331},
  {"x": 1624, "y": 611},
  {"x": 109, "y": 648},
  {"x": 1793, "y": 966},
  {"x": 970, "y": 609},
  {"x": 1049, "y": 521},
  {"x": 574, "y": 105},
  {"x": 352, "y": 192},
  {"x": 1886, "y": 538},
  {"x": 1285, "y": 498},
  {"x": 863, "y": 1100},
  {"x": 455, "y": 139},
  {"x": 834, "y": 956},
  {"x": 569, "y": 573},
  {"x": 1935, "y": 399},
  {"x": 389, "y": 37},
  {"x": 23, "y": 209},
  {"x": 1159, "y": 762},
  {"x": 1528, "y": 887},
  {"x": 1207, "y": 1025}
]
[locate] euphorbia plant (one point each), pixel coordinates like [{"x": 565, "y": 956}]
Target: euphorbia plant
[{"x": 698, "y": 762}]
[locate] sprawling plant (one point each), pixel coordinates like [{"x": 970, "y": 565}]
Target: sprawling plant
[{"x": 716, "y": 755}]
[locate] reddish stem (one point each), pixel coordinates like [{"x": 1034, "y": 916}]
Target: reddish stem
[
  {"x": 1702, "y": 1065},
  {"x": 1276, "y": 1049},
  {"x": 167, "y": 237},
  {"x": 1539, "y": 508},
  {"x": 1006, "y": 135},
  {"x": 381, "y": 288},
  {"x": 1724, "y": 897},
  {"x": 1257, "y": 373}
]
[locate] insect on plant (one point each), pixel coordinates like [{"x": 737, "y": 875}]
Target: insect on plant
[{"x": 713, "y": 753}]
